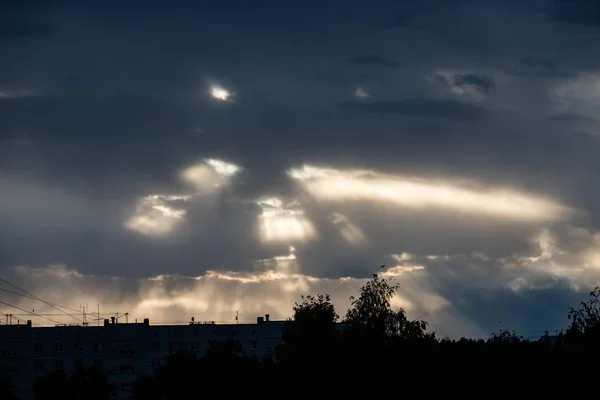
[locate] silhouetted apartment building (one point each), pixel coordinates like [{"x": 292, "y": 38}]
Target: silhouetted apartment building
[{"x": 123, "y": 350}]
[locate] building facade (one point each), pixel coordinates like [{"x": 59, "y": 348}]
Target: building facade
[{"x": 124, "y": 351}]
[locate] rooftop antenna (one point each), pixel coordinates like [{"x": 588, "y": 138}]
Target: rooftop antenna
[
  {"x": 237, "y": 317},
  {"x": 84, "y": 320},
  {"x": 126, "y": 317},
  {"x": 98, "y": 319}
]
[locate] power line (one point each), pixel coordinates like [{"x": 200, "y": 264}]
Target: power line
[
  {"x": 30, "y": 297},
  {"x": 62, "y": 315},
  {"x": 43, "y": 301},
  {"x": 31, "y": 313}
]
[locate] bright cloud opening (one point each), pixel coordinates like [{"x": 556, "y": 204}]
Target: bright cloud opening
[
  {"x": 356, "y": 185},
  {"x": 209, "y": 174},
  {"x": 219, "y": 93},
  {"x": 155, "y": 217},
  {"x": 283, "y": 222}
]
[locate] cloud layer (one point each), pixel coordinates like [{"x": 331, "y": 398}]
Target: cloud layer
[{"x": 222, "y": 159}]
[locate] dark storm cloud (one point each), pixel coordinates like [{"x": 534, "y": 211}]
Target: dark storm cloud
[
  {"x": 421, "y": 108},
  {"x": 545, "y": 67},
  {"x": 571, "y": 117},
  {"x": 580, "y": 12},
  {"x": 371, "y": 59},
  {"x": 483, "y": 83}
]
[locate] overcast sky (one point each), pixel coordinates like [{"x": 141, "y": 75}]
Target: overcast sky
[{"x": 179, "y": 159}]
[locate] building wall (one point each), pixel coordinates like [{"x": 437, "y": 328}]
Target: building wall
[{"x": 124, "y": 351}]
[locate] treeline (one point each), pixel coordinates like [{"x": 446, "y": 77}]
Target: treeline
[{"x": 379, "y": 352}]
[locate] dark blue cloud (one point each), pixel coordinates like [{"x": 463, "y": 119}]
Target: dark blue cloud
[
  {"x": 371, "y": 59},
  {"x": 421, "y": 108}
]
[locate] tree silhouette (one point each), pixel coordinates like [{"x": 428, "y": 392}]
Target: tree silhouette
[
  {"x": 312, "y": 331},
  {"x": 371, "y": 313},
  {"x": 585, "y": 320},
  {"x": 379, "y": 351}
]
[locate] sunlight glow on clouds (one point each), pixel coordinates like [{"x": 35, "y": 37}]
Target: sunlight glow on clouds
[
  {"x": 215, "y": 295},
  {"x": 155, "y": 217},
  {"x": 356, "y": 185},
  {"x": 281, "y": 221},
  {"x": 209, "y": 174}
]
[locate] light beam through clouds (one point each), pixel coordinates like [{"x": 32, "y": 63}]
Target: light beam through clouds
[
  {"x": 350, "y": 232},
  {"x": 359, "y": 185},
  {"x": 281, "y": 221},
  {"x": 155, "y": 216}
]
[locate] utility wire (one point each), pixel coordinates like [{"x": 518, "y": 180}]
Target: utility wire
[
  {"x": 62, "y": 315},
  {"x": 43, "y": 301},
  {"x": 31, "y": 313},
  {"x": 30, "y": 297}
]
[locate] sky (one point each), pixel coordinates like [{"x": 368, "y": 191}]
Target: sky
[{"x": 201, "y": 159}]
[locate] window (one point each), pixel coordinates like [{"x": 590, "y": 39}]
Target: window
[
  {"x": 10, "y": 369},
  {"x": 78, "y": 365},
  {"x": 58, "y": 365},
  {"x": 254, "y": 344},
  {"x": 155, "y": 346},
  {"x": 194, "y": 345},
  {"x": 38, "y": 348},
  {"x": 58, "y": 347},
  {"x": 127, "y": 352},
  {"x": 39, "y": 365},
  {"x": 126, "y": 368},
  {"x": 97, "y": 347},
  {"x": 156, "y": 363},
  {"x": 79, "y": 347}
]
